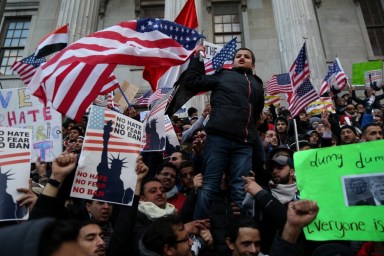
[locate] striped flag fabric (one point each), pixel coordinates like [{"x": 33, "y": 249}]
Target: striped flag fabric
[
  {"x": 158, "y": 94},
  {"x": 335, "y": 77},
  {"x": 111, "y": 104},
  {"x": 299, "y": 71},
  {"x": 143, "y": 100},
  {"x": 320, "y": 105},
  {"x": 26, "y": 67},
  {"x": 279, "y": 84},
  {"x": 53, "y": 42},
  {"x": 271, "y": 99},
  {"x": 11, "y": 158},
  {"x": 304, "y": 94},
  {"x": 141, "y": 42},
  {"x": 161, "y": 77},
  {"x": 223, "y": 59}
]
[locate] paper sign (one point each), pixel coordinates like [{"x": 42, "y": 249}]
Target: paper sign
[
  {"x": 106, "y": 169},
  {"x": 347, "y": 182},
  {"x": 15, "y": 164},
  {"x": 358, "y": 70},
  {"x": 20, "y": 109},
  {"x": 130, "y": 90}
]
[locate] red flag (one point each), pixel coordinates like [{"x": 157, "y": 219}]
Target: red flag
[
  {"x": 187, "y": 17},
  {"x": 53, "y": 42}
]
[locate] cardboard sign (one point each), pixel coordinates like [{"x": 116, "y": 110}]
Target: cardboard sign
[
  {"x": 20, "y": 109},
  {"x": 106, "y": 169},
  {"x": 347, "y": 182}
]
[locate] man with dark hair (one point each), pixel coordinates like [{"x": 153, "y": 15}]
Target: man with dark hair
[
  {"x": 166, "y": 236},
  {"x": 167, "y": 175},
  {"x": 348, "y": 135},
  {"x": 243, "y": 237},
  {"x": 178, "y": 157},
  {"x": 237, "y": 100},
  {"x": 187, "y": 174},
  {"x": 372, "y": 131}
]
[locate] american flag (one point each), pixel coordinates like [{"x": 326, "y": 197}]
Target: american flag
[
  {"x": 302, "y": 96},
  {"x": 8, "y": 158},
  {"x": 158, "y": 94},
  {"x": 335, "y": 77},
  {"x": 299, "y": 71},
  {"x": 279, "y": 84},
  {"x": 143, "y": 100},
  {"x": 26, "y": 67},
  {"x": 223, "y": 59},
  {"x": 111, "y": 104},
  {"x": 142, "y": 42},
  {"x": 93, "y": 140}
]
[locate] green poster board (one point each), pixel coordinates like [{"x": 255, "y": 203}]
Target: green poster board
[
  {"x": 342, "y": 180},
  {"x": 358, "y": 70}
]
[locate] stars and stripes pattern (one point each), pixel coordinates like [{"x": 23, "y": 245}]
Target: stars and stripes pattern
[
  {"x": 26, "y": 67},
  {"x": 143, "y": 100},
  {"x": 335, "y": 77},
  {"x": 279, "y": 84},
  {"x": 93, "y": 140},
  {"x": 142, "y": 42},
  {"x": 299, "y": 71},
  {"x": 304, "y": 94},
  {"x": 53, "y": 42},
  {"x": 223, "y": 59},
  {"x": 158, "y": 94}
]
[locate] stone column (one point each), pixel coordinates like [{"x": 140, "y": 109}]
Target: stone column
[
  {"x": 81, "y": 15},
  {"x": 296, "y": 22}
]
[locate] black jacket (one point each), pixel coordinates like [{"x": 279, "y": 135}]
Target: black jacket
[{"x": 237, "y": 100}]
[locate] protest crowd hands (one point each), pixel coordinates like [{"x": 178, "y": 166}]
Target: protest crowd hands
[
  {"x": 198, "y": 181},
  {"x": 194, "y": 227},
  {"x": 141, "y": 169},
  {"x": 251, "y": 186},
  {"x": 29, "y": 198},
  {"x": 63, "y": 165}
]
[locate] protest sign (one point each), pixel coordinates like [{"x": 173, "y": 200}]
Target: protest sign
[
  {"x": 106, "y": 169},
  {"x": 359, "y": 69},
  {"x": 172, "y": 141},
  {"x": 15, "y": 164},
  {"x": 373, "y": 77},
  {"x": 20, "y": 109},
  {"x": 347, "y": 183},
  {"x": 130, "y": 90},
  {"x": 271, "y": 99}
]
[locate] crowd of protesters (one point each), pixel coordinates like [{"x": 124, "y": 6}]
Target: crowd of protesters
[{"x": 230, "y": 190}]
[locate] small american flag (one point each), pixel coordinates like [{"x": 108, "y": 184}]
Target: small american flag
[
  {"x": 279, "y": 84},
  {"x": 143, "y": 100},
  {"x": 302, "y": 96},
  {"x": 223, "y": 59},
  {"x": 26, "y": 67},
  {"x": 335, "y": 76},
  {"x": 158, "y": 94},
  {"x": 299, "y": 71}
]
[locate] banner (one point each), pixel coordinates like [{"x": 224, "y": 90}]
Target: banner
[
  {"x": 106, "y": 169},
  {"x": 15, "y": 165},
  {"x": 347, "y": 182},
  {"x": 319, "y": 106},
  {"x": 20, "y": 109},
  {"x": 359, "y": 69},
  {"x": 271, "y": 99}
]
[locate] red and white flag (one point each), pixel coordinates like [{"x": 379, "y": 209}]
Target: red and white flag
[
  {"x": 53, "y": 42},
  {"x": 165, "y": 77},
  {"x": 299, "y": 71}
]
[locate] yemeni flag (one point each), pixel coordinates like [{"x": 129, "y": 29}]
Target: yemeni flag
[{"x": 53, "y": 42}]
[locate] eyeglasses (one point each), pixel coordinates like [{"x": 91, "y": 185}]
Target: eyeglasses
[{"x": 189, "y": 236}]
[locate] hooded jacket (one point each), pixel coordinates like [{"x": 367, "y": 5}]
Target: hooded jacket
[
  {"x": 23, "y": 239},
  {"x": 237, "y": 100}
]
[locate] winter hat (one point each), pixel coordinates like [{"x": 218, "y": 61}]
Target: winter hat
[
  {"x": 352, "y": 128},
  {"x": 314, "y": 119}
]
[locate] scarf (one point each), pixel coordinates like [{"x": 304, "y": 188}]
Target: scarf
[
  {"x": 283, "y": 192},
  {"x": 152, "y": 211},
  {"x": 171, "y": 193}
]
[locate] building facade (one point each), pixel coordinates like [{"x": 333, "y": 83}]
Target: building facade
[{"x": 275, "y": 30}]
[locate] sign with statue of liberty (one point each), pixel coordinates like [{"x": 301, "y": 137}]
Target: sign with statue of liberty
[{"x": 106, "y": 169}]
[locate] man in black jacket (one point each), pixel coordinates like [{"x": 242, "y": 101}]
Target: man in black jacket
[{"x": 237, "y": 100}]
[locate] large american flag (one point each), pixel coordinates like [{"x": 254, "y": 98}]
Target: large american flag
[
  {"x": 304, "y": 94},
  {"x": 299, "y": 71},
  {"x": 222, "y": 59},
  {"x": 26, "y": 67},
  {"x": 142, "y": 42},
  {"x": 279, "y": 84},
  {"x": 335, "y": 77}
]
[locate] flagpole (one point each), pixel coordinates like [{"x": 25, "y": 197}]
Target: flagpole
[
  {"x": 296, "y": 135},
  {"x": 125, "y": 97}
]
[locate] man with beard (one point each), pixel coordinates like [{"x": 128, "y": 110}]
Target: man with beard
[
  {"x": 281, "y": 128},
  {"x": 372, "y": 132},
  {"x": 348, "y": 135}
]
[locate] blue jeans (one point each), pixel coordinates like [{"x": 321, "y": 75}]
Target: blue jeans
[{"x": 222, "y": 154}]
